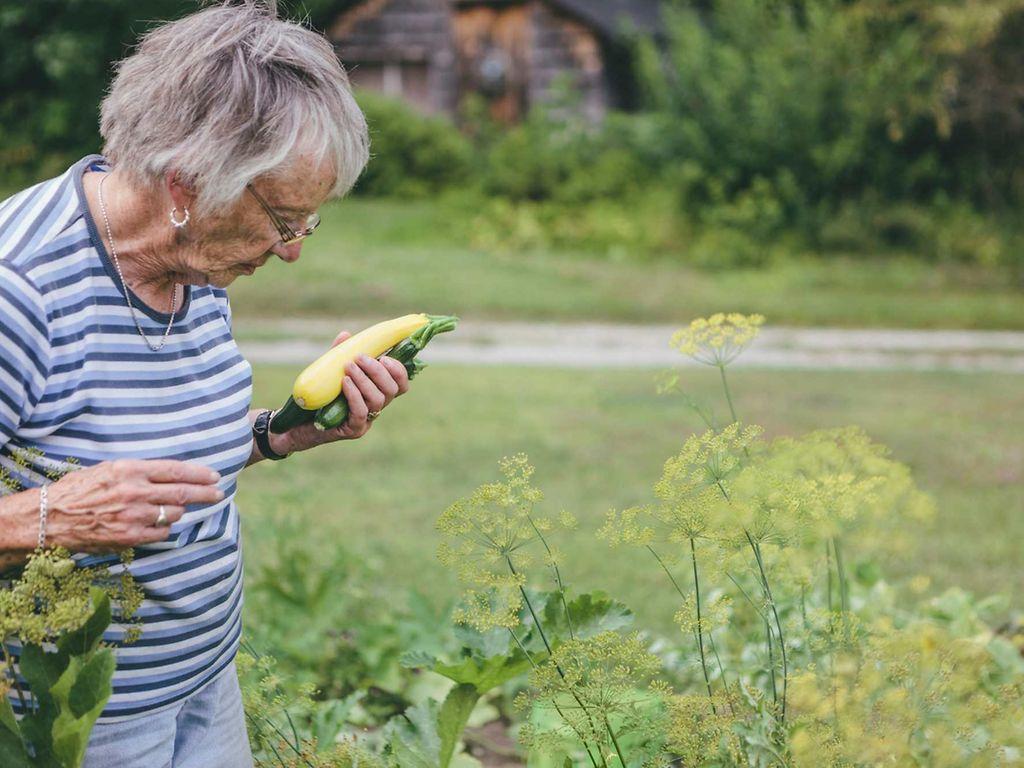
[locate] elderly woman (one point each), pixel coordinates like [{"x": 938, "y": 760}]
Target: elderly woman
[{"x": 224, "y": 133}]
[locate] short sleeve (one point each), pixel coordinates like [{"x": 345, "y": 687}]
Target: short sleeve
[{"x": 24, "y": 350}]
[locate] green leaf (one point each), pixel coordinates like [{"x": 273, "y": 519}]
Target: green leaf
[
  {"x": 7, "y": 718},
  {"x": 485, "y": 674},
  {"x": 92, "y": 687},
  {"x": 417, "y": 660},
  {"x": 12, "y": 749},
  {"x": 84, "y": 686},
  {"x": 494, "y": 642},
  {"x": 591, "y": 614},
  {"x": 452, "y": 719},
  {"x": 412, "y": 737},
  {"x": 41, "y": 669},
  {"x": 489, "y": 659}
]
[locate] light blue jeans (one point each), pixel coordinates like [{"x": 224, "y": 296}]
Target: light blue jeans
[{"x": 206, "y": 730}]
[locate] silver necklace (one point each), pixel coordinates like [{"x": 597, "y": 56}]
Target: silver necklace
[{"x": 127, "y": 293}]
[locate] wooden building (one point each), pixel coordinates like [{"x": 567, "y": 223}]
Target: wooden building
[{"x": 432, "y": 53}]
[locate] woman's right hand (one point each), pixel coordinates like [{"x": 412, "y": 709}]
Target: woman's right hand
[{"x": 115, "y": 505}]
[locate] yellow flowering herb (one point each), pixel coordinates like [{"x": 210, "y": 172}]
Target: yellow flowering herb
[
  {"x": 486, "y": 542},
  {"x": 719, "y": 339}
]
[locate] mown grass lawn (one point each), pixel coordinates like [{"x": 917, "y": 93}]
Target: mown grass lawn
[
  {"x": 379, "y": 258},
  {"x": 598, "y": 440}
]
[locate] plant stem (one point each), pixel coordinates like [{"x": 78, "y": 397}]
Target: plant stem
[
  {"x": 778, "y": 623},
  {"x": 615, "y": 741},
  {"x": 728, "y": 396},
  {"x": 547, "y": 645},
  {"x": 844, "y": 588},
  {"x": 558, "y": 577},
  {"x": 828, "y": 570},
  {"x": 831, "y": 634},
  {"x": 558, "y": 709},
  {"x": 700, "y": 642},
  {"x": 700, "y": 624},
  {"x": 721, "y": 671}
]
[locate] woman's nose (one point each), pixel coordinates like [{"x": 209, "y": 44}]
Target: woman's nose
[{"x": 288, "y": 253}]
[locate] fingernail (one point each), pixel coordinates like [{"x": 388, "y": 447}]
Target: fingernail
[
  {"x": 220, "y": 494},
  {"x": 215, "y": 476}
]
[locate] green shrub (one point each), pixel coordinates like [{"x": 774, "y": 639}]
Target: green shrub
[{"x": 412, "y": 155}]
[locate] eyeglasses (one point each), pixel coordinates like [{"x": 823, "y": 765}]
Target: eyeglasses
[{"x": 289, "y": 234}]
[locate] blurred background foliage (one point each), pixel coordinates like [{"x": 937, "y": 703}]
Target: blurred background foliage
[{"x": 766, "y": 128}]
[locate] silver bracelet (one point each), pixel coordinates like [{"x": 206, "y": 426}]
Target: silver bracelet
[{"x": 44, "y": 508}]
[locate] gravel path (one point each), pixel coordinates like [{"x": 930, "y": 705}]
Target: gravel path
[{"x": 594, "y": 345}]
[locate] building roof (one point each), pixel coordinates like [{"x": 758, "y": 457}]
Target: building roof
[{"x": 614, "y": 18}]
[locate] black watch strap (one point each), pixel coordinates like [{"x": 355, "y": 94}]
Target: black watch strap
[{"x": 261, "y": 434}]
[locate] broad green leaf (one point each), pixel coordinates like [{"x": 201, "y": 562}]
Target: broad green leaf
[
  {"x": 489, "y": 659},
  {"x": 12, "y": 750},
  {"x": 485, "y": 674},
  {"x": 494, "y": 642},
  {"x": 7, "y": 718},
  {"x": 87, "y": 681},
  {"x": 92, "y": 687},
  {"x": 417, "y": 660},
  {"x": 41, "y": 670},
  {"x": 412, "y": 737},
  {"x": 451, "y": 720},
  {"x": 588, "y": 615}
]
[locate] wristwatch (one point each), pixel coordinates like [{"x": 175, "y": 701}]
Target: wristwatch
[{"x": 261, "y": 434}]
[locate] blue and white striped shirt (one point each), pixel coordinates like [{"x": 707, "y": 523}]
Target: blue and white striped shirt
[{"x": 77, "y": 381}]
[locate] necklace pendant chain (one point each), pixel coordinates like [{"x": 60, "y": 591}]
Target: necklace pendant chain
[{"x": 127, "y": 294}]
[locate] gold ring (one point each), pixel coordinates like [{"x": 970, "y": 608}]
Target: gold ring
[
  {"x": 372, "y": 415},
  {"x": 161, "y": 519}
]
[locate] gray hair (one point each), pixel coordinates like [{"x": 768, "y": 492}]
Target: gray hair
[{"x": 227, "y": 95}]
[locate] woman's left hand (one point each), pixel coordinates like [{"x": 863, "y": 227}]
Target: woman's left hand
[{"x": 369, "y": 387}]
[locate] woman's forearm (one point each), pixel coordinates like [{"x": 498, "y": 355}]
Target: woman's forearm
[{"x": 19, "y": 527}]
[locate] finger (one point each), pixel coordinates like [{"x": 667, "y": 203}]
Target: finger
[
  {"x": 357, "y": 409},
  {"x": 147, "y": 514},
  {"x": 170, "y": 471},
  {"x": 181, "y": 494},
  {"x": 153, "y": 534},
  {"x": 340, "y": 338},
  {"x": 379, "y": 375},
  {"x": 398, "y": 373},
  {"x": 372, "y": 396}
]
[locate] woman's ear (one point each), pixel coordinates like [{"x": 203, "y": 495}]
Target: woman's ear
[{"x": 182, "y": 195}]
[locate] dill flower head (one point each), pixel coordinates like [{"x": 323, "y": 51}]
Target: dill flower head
[
  {"x": 715, "y": 613},
  {"x": 852, "y": 486},
  {"x": 701, "y": 732},
  {"x": 486, "y": 538},
  {"x": 719, "y": 339},
  {"x": 705, "y": 461},
  {"x": 694, "y": 485},
  {"x": 52, "y": 597},
  {"x": 915, "y": 695},
  {"x": 595, "y": 687}
]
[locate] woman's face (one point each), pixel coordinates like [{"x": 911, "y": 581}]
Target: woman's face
[{"x": 220, "y": 248}]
